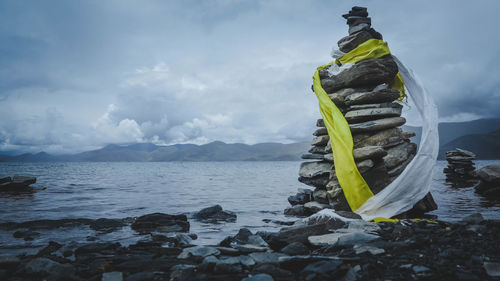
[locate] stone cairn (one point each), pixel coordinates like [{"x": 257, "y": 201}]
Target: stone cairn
[
  {"x": 461, "y": 170},
  {"x": 382, "y": 149}
]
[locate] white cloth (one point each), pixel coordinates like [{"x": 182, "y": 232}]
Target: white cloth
[{"x": 414, "y": 183}]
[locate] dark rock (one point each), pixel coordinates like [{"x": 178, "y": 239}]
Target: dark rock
[
  {"x": 380, "y": 96},
  {"x": 475, "y": 218},
  {"x": 297, "y": 210},
  {"x": 25, "y": 234},
  {"x": 267, "y": 257},
  {"x": 96, "y": 248},
  {"x": 357, "y": 28},
  {"x": 259, "y": 277},
  {"x": 295, "y": 248},
  {"x": 300, "y": 233},
  {"x": 322, "y": 270},
  {"x": 313, "y": 156},
  {"x": 159, "y": 222},
  {"x": 320, "y": 140},
  {"x": 106, "y": 225},
  {"x": 274, "y": 271},
  {"x": 317, "y": 181},
  {"x": 5, "y": 179},
  {"x": 300, "y": 198},
  {"x": 9, "y": 262},
  {"x": 112, "y": 276},
  {"x": 377, "y": 125},
  {"x": 23, "y": 180},
  {"x": 320, "y": 132},
  {"x": 362, "y": 115},
  {"x": 141, "y": 276},
  {"x": 198, "y": 252},
  {"x": 46, "y": 267},
  {"x": 364, "y": 73},
  {"x": 215, "y": 214}
]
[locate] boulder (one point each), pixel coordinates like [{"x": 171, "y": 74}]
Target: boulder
[
  {"x": 364, "y": 73},
  {"x": 159, "y": 222},
  {"x": 490, "y": 174},
  {"x": 214, "y": 214}
]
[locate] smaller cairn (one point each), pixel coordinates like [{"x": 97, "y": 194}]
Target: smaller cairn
[{"x": 461, "y": 170}]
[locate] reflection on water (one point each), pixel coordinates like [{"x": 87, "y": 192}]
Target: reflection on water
[{"x": 253, "y": 190}]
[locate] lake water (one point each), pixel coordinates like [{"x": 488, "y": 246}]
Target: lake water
[{"x": 253, "y": 190}]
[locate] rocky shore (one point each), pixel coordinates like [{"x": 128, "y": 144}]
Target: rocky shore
[{"x": 325, "y": 246}]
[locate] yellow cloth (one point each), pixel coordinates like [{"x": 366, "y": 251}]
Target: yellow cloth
[
  {"x": 355, "y": 188},
  {"x": 372, "y": 49}
]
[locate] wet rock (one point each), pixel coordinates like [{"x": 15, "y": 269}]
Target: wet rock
[
  {"x": 364, "y": 73},
  {"x": 492, "y": 268},
  {"x": 9, "y": 262},
  {"x": 354, "y": 238},
  {"x": 198, "y": 252},
  {"x": 214, "y": 214},
  {"x": 299, "y": 233},
  {"x": 295, "y": 248},
  {"x": 489, "y": 185},
  {"x": 159, "y": 222},
  {"x": 259, "y": 277},
  {"x": 475, "y": 218},
  {"x": 297, "y": 210},
  {"x": 96, "y": 248},
  {"x": 46, "y": 267},
  {"x": 359, "y": 249},
  {"x": 25, "y": 234},
  {"x": 322, "y": 270},
  {"x": 302, "y": 197},
  {"x": 107, "y": 225},
  {"x": 377, "y": 125},
  {"x": 266, "y": 257},
  {"x": 112, "y": 276},
  {"x": 313, "y": 207}
]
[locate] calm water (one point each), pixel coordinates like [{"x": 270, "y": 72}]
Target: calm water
[{"x": 253, "y": 190}]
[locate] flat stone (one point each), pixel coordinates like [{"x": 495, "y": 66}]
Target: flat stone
[
  {"x": 249, "y": 248},
  {"x": 161, "y": 223},
  {"x": 320, "y": 123},
  {"x": 314, "y": 206},
  {"x": 354, "y": 238},
  {"x": 380, "y": 96},
  {"x": 325, "y": 239},
  {"x": 364, "y": 73},
  {"x": 320, "y": 132},
  {"x": 320, "y": 140},
  {"x": 374, "y": 105},
  {"x": 362, "y": 115},
  {"x": 295, "y": 248},
  {"x": 380, "y": 138},
  {"x": 259, "y": 277},
  {"x": 198, "y": 251},
  {"x": 350, "y": 42},
  {"x": 377, "y": 125},
  {"x": 318, "y": 181},
  {"x": 339, "y": 96},
  {"x": 399, "y": 154},
  {"x": 313, "y": 169},
  {"x": 317, "y": 150},
  {"x": 365, "y": 165},
  {"x": 358, "y": 28},
  {"x": 266, "y": 257},
  {"x": 359, "y": 249},
  {"x": 492, "y": 268},
  {"x": 368, "y": 152},
  {"x": 364, "y": 226},
  {"x": 313, "y": 156},
  {"x": 300, "y": 233},
  {"x": 112, "y": 276}
]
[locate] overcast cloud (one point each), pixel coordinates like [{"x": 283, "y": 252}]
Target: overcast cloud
[{"x": 77, "y": 75}]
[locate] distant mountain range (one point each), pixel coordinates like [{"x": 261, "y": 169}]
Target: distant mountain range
[
  {"x": 479, "y": 136},
  {"x": 147, "y": 152}
]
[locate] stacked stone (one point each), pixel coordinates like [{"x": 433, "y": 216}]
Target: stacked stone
[
  {"x": 461, "y": 170},
  {"x": 382, "y": 149}
]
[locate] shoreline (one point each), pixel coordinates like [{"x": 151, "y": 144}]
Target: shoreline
[{"x": 322, "y": 247}]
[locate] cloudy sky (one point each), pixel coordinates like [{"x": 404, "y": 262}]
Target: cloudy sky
[{"x": 77, "y": 75}]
